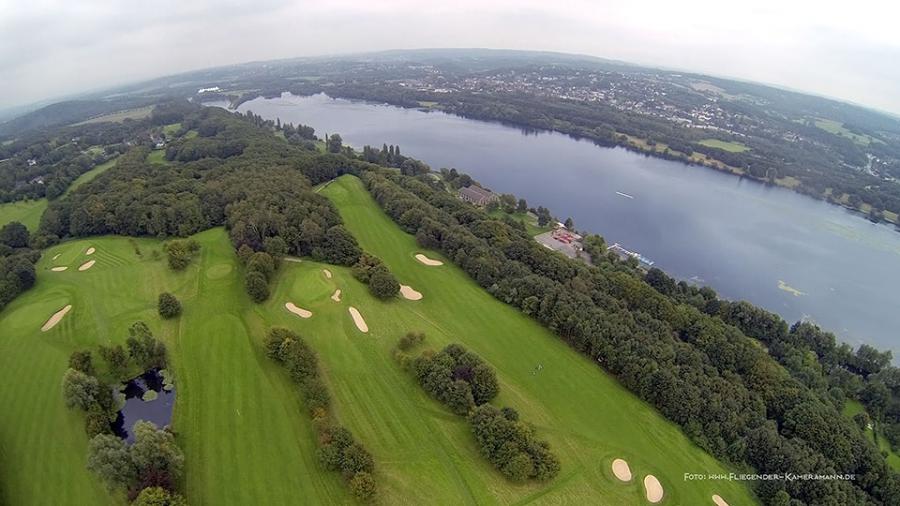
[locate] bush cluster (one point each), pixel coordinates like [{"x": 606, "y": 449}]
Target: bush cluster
[
  {"x": 456, "y": 377},
  {"x": 337, "y": 449},
  {"x": 180, "y": 253},
  {"x": 169, "y": 306},
  {"x": 260, "y": 270},
  {"x": 372, "y": 271},
  {"x": 511, "y": 446}
]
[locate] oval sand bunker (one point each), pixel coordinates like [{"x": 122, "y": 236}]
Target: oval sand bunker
[
  {"x": 87, "y": 265},
  {"x": 410, "y": 294},
  {"x": 718, "y": 500},
  {"x": 336, "y": 296},
  {"x": 358, "y": 320},
  {"x": 59, "y": 269},
  {"x": 428, "y": 261},
  {"x": 621, "y": 470},
  {"x": 299, "y": 311},
  {"x": 653, "y": 488},
  {"x": 90, "y": 251},
  {"x": 56, "y": 318},
  {"x": 327, "y": 273}
]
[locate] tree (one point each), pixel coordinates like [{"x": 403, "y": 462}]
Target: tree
[
  {"x": 115, "y": 358},
  {"x": 522, "y": 206},
  {"x": 334, "y": 143},
  {"x": 484, "y": 384},
  {"x": 81, "y": 360},
  {"x": 543, "y": 215},
  {"x": 383, "y": 285},
  {"x": 169, "y": 306},
  {"x": 356, "y": 459},
  {"x": 363, "y": 487},
  {"x": 80, "y": 390},
  {"x": 158, "y": 496},
  {"x": 338, "y": 247},
  {"x": 257, "y": 287},
  {"x": 508, "y": 202},
  {"x": 154, "y": 450},
  {"x": 569, "y": 223},
  {"x": 109, "y": 458},
  {"x": 143, "y": 348},
  {"x": 14, "y": 235}
]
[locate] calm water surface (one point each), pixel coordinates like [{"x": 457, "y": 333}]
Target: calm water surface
[{"x": 737, "y": 236}]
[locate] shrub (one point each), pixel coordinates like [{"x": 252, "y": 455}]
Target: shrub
[
  {"x": 257, "y": 287},
  {"x": 410, "y": 340},
  {"x": 158, "y": 496},
  {"x": 362, "y": 270},
  {"x": 180, "y": 253},
  {"x": 363, "y": 488},
  {"x": 80, "y": 390},
  {"x": 110, "y": 459},
  {"x": 510, "y": 445},
  {"x": 383, "y": 284},
  {"x": 81, "y": 361},
  {"x": 169, "y": 306}
]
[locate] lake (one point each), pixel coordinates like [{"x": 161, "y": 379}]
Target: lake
[{"x": 791, "y": 254}]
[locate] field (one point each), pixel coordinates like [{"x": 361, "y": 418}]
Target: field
[
  {"x": 239, "y": 420},
  {"x": 731, "y": 146},
  {"x": 26, "y": 212},
  {"x": 120, "y": 116},
  {"x": 837, "y": 128},
  {"x": 91, "y": 175}
]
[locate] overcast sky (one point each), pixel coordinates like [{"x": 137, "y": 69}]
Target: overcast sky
[{"x": 846, "y": 50}]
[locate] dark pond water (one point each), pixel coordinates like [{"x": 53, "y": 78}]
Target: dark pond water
[
  {"x": 791, "y": 254},
  {"x": 158, "y": 410}
]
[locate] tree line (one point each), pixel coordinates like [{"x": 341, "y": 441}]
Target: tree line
[
  {"x": 728, "y": 395},
  {"x": 338, "y": 450}
]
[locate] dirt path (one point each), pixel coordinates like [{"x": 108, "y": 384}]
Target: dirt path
[
  {"x": 408, "y": 293},
  {"x": 299, "y": 311},
  {"x": 56, "y": 318},
  {"x": 428, "y": 261},
  {"x": 358, "y": 320}
]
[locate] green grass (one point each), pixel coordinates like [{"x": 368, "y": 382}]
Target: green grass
[
  {"x": 239, "y": 420},
  {"x": 530, "y": 221},
  {"x": 26, "y": 212},
  {"x": 120, "y": 116},
  {"x": 171, "y": 130},
  {"x": 730, "y": 146},
  {"x": 837, "y": 128},
  {"x": 91, "y": 175},
  {"x": 851, "y": 408},
  {"x": 158, "y": 156}
]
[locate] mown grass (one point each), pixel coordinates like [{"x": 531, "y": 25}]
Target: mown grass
[
  {"x": 838, "y": 128},
  {"x": 120, "y": 116},
  {"x": 90, "y": 175},
  {"x": 530, "y": 221},
  {"x": 26, "y": 212},
  {"x": 730, "y": 146}
]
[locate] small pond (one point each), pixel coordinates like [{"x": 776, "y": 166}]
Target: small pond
[{"x": 149, "y": 397}]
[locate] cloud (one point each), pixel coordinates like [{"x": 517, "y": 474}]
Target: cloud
[{"x": 51, "y": 48}]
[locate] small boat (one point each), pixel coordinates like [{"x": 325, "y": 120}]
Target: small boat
[{"x": 627, "y": 196}]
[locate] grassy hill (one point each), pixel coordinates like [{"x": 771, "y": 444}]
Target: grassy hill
[
  {"x": 26, "y": 212},
  {"x": 239, "y": 419}
]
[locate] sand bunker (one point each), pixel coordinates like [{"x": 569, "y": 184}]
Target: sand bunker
[
  {"x": 621, "y": 470},
  {"x": 327, "y": 273},
  {"x": 56, "y": 318},
  {"x": 87, "y": 265},
  {"x": 427, "y": 261},
  {"x": 57, "y": 256},
  {"x": 408, "y": 293},
  {"x": 718, "y": 500},
  {"x": 90, "y": 251},
  {"x": 653, "y": 489},
  {"x": 336, "y": 296},
  {"x": 299, "y": 311},
  {"x": 358, "y": 320},
  {"x": 59, "y": 269}
]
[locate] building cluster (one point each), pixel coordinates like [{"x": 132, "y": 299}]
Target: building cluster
[{"x": 477, "y": 195}]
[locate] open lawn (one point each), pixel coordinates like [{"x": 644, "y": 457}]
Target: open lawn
[
  {"x": 733, "y": 147},
  {"x": 158, "y": 156},
  {"x": 837, "y": 128},
  {"x": 530, "y": 221},
  {"x": 26, "y": 212}
]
